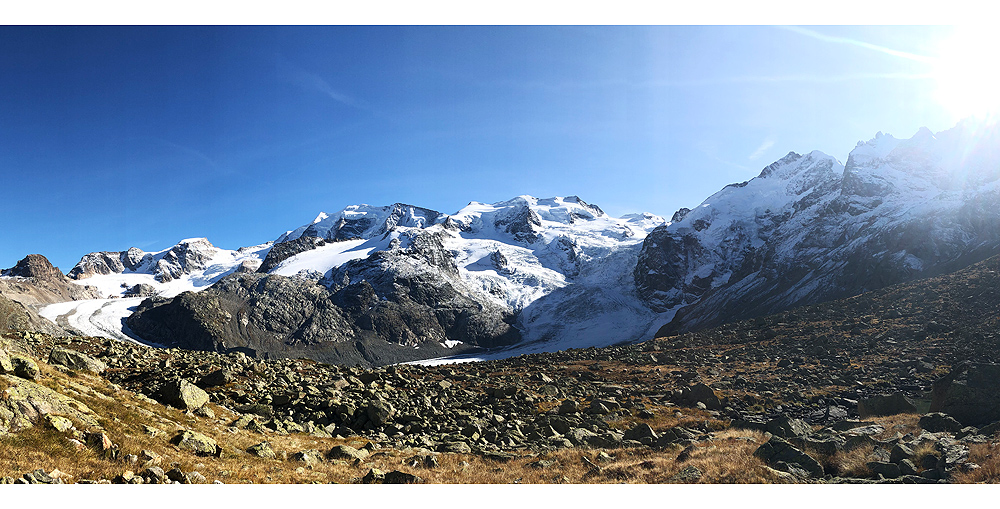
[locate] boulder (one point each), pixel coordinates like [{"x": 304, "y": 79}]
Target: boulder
[
  {"x": 787, "y": 427},
  {"x": 777, "y": 450},
  {"x": 890, "y": 404},
  {"x": 310, "y": 457},
  {"x": 936, "y": 422},
  {"x": 642, "y": 433},
  {"x": 887, "y": 470},
  {"x": 900, "y": 452},
  {"x": 182, "y": 394},
  {"x": 25, "y": 403},
  {"x": 197, "y": 443},
  {"x": 380, "y": 412},
  {"x": 216, "y": 378},
  {"x": 970, "y": 394},
  {"x": 154, "y": 475},
  {"x": 346, "y": 452},
  {"x": 76, "y": 360},
  {"x": 262, "y": 450},
  {"x": 399, "y": 477},
  {"x": 701, "y": 393},
  {"x": 5, "y": 365},
  {"x": 374, "y": 476},
  {"x": 25, "y": 367}
]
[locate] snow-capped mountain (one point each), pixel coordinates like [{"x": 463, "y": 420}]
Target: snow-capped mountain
[
  {"x": 810, "y": 229},
  {"x": 488, "y": 275},
  {"x": 123, "y": 279},
  {"x": 374, "y": 284}
]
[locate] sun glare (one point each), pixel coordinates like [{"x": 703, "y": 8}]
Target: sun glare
[{"x": 967, "y": 73}]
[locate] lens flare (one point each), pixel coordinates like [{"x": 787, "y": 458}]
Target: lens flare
[{"x": 967, "y": 73}]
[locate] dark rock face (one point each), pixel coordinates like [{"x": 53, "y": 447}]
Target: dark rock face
[
  {"x": 185, "y": 257},
  {"x": 522, "y": 223},
  {"x": 285, "y": 250},
  {"x": 104, "y": 262},
  {"x": 401, "y": 299}
]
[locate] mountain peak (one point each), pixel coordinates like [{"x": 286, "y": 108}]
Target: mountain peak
[{"x": 35, "y": 266}]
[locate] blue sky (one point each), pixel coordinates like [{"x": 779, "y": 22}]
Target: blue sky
[{"x": 112, "y": 137}]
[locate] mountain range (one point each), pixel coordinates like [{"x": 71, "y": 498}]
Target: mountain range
[{"x": 377, "y": 285}]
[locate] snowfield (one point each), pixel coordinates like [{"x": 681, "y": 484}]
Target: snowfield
[{"x": 561, "y": 263}]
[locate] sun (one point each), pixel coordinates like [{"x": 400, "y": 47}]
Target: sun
[{"x": 967, "y": 73}]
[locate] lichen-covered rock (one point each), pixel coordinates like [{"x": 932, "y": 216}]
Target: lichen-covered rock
[
  {"x": 5, "y": 364},
  {"x": 197, "y": 443},
  {"x": 183, "y": 394},
  {"x": 262, "y": 450},
  {"x": 25, "y": 367},
  {"x": 25, "y": 403},
  {"x": 76, "y": 360},
  {"x": 310, "y": 457}
]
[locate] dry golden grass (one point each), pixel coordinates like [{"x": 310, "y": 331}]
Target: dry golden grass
[
  {"x": 727, "y": 458},
  {"x": 125, "y": 416},
  {"x": 987, "y": 456},
  {"x": 666, "y": 417},
  {"x": 853, "y": 463}
]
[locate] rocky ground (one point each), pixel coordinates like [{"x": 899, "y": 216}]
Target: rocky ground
[{"x": 890, "y": 386}]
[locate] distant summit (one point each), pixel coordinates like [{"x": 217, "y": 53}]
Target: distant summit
[{"x": 809, "y": 229}]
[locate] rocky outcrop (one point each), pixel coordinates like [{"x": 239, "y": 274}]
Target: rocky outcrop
[
  {"x": 521, "y": 223},
  {"x": 14, "y": 316},
  {"x": 76, "y": 360},
  {"x": 399, "y": 300},
  {"x": 970, "y": 393},
  {"x": 35, "y": 266},
  {"x": 104, "y": 262},
  {"x": 30, "y": 285},
  {"x": 109, "y": 262},
  {"x": 25, "y": 404},
  {"x": 186, "y": 257},
  {"x": 285, "y": 250}
]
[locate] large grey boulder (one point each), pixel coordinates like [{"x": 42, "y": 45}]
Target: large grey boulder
[
  {"x": 182, "y": 394},
  {"x": 197, "y": 443},
  {"x": 702, "y": 393},
  {"x": 262, "y": 450},
  {"x": 76, "y": 360},
  {"x": 25, "y": 404},
  {"x": 787, "y": 427},
  {"x": 380, "y": 412}
]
